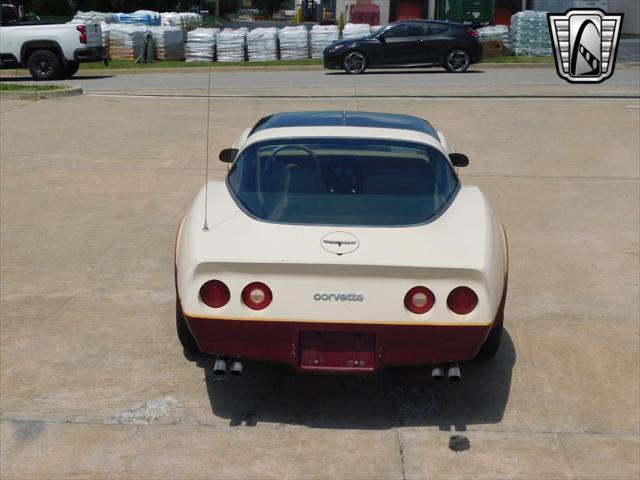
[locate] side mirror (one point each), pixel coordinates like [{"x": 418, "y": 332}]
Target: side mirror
[
  {"x": 459, "y": 159},
  {"x": 228, "y": 155},
  {"x": 382, "y": 38}
]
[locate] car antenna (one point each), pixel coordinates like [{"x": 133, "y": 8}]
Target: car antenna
[{"x": 205, "y": 228}]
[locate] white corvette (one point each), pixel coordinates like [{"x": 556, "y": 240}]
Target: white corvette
[{"x": 341, "y": 242}]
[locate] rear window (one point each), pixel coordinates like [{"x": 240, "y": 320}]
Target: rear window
[{"x": 326, "y": 181}]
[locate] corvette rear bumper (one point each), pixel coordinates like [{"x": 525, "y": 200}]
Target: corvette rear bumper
[{"x": 337, "y": 347}]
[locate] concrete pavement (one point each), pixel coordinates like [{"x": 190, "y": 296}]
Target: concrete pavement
[
  {"x": 93, "y": 383},
  {"x": 486, "y": 80}
]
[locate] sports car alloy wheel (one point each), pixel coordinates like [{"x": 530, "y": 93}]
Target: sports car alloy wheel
[
  {"x": 457, "y": 61},
  {"x": 354, "y": 62}
]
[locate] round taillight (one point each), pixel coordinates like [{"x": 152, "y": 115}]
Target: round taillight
[
  {"x": 462, "y": 300},
  {"x": 419, "y": 300},
  {"x": 215, "y": 293},
  {"x": 257, "y": 296}
]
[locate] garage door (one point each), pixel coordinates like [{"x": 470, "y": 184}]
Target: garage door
[{"x": 408, "y": 9}]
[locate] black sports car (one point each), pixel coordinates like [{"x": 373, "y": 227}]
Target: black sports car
[{"x": 409, "y": 43}]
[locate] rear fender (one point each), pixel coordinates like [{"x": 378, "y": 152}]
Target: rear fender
[{"x": 29, "y": 47}]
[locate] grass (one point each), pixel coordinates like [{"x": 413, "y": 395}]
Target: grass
[
  {"x": 12, "y": 87},
  {"x": 127, "y": 64},
  {"x": 524, "y": 59}
]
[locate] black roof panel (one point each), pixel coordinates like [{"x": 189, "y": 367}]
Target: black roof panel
[{"x": 346, "y": 119}]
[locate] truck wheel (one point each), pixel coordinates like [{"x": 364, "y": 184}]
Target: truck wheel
[
  {"x": 44, "y": 65},
  {"x": 491, "y": 344},
  {"x": 184, "y": 335},
  {"x": 69, "y": 70}
]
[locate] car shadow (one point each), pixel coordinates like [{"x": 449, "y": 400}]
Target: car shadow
[
  {"x": 403, "y": 72},
  {"x": 30, "y": 79},
  {"x": 273, "y": 393}
]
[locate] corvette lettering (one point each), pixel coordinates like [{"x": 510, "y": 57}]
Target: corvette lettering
[{"x": 338, "y": 297}]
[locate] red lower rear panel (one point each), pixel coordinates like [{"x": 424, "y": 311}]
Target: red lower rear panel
[{"x": 337, "y": 347}]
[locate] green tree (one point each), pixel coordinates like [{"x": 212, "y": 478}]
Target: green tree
[
  {"x": 226, "y": 6},
  {"x": 267, "y": 7}
]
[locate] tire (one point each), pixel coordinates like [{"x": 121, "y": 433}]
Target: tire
[
  {"x": 44, "y": 65},
  {"x": 187, "y": 340},
  {"x": 354, "y": 63},
  {"x": 457, "y": 61},
  {"x": 491, "y": 344},
  {"x": 69, "y": 70}
]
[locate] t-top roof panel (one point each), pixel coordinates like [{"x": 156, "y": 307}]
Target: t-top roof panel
[{"x": 345, "y": 119}]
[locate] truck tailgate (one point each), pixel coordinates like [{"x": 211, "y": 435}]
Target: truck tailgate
[{"x": 94, "y": 35}]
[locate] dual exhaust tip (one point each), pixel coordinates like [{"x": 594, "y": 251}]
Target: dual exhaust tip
[
  {"x": 453, "y": 372},
  {"x": 220, "y": 367}
]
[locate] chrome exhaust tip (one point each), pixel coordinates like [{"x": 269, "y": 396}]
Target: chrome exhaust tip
[
  {"x": 453, "y": 373},
  {"x": 236, "y": 368},
  {"x": 437, "y": 373},
  {"x": 220, "y": 367}
]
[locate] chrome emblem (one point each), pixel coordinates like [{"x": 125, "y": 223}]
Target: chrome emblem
[
  {"x": 585, "y": 44},
  {"x": 340, "y": 242},
  {"x": 338, "y": 297}
]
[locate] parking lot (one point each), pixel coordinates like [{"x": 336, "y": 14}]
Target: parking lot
[{"x": 94, "y": 384}]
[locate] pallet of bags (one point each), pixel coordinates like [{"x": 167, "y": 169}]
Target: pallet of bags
[
  {"x": 321, "y": 37},
  {"x": 497, "y": 32},
  {"x": 355, "y": 30},
  {"x": 262, "y": 44},
  {"x": 230, "y": 44},
  {"x": 128, "y": 42},
  {"x": 141, "y": 17},
  {"x": 294, "y": 42},
  {"x": 168, "y": 42},
  {"x": 94, "y": 17},
  {"x": 185, "y": 21},
  {"x": 106, "y": 34},
  {"x": 201, "y": 45},
  {"x": 495, "y": 40},
  {"x": 529, "y": 34}
]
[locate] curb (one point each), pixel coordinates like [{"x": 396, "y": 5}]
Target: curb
[{"x": 37, "y": 95}]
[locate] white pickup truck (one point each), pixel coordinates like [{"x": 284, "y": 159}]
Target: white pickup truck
[{"x": 50, "y": 51}]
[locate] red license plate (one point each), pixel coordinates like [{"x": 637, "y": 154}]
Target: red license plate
[{"x": 337, "y": 351}]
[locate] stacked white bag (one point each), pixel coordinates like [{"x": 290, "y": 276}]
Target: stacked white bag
[
  {"x": 321, "y": 37},
  {"x": 529, "y": 33},
  {"x": 126, "y": 42},
  {"x": 497, "y": 32},
  {"x": 355, "y": 30},
  {"x": 94, "y": 17},
  {"x": 169, "y": 43},
  {"x": 262, "y": 44},
  {"x": 231, "y": 44},
  {"x": 185, "y": 21},
  {"x": 294, "y": 42},
  {"x": 201, "y": 44},
  {"x": 106, "y": 34}
]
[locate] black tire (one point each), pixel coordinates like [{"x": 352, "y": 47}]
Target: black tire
[
  {"x": 184, "y": 335},
  {"x": 491, "y": 344},
  {"x": 354, "y": 62},
  {"x": 44, "y": 65},
  {"x": 69, "y": 70},
  {"x": 457, "y": 61}
]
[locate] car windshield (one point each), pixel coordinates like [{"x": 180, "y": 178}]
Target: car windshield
[{"x": 330, "y": 181}]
